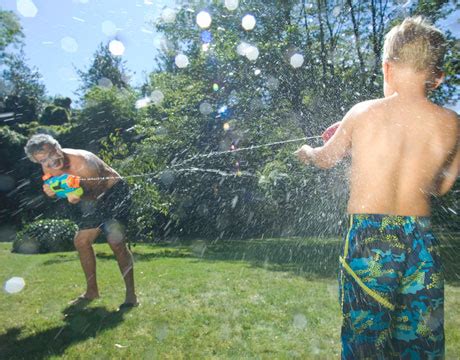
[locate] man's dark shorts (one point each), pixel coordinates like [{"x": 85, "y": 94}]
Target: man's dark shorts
[{"x": 110, "y": 210}]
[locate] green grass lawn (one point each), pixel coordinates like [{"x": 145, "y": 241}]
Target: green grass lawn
[{"x": 256, "y": 299}]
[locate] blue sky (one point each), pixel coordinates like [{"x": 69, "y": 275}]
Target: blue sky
[{"x": 82, "y": 20}]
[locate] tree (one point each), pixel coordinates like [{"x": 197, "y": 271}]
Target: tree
[
  {"x": 106, "y": 70},
  {"x": 10, "y": 32},
  {"x": 21, "y": 89},
  {"x": 259, "y": 101},
  {"x": 25, "y": 92}
]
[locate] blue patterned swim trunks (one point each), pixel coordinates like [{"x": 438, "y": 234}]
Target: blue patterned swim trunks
[{"x": 391, "y": 289}]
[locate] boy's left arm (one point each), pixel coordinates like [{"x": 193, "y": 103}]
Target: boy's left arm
[{"x": 334, "y": 150}]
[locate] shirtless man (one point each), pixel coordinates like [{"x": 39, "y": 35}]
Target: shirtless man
[
  {"x": 105, "y": 203},
  {"x": 404, "y": 150}
]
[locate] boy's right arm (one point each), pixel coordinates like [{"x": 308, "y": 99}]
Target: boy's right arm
[{"x": 336, "y": 147}]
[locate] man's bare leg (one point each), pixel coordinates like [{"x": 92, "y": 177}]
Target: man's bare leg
[
  {"x": 125, "y": 263},
  {"x": 84, "y": 244}
]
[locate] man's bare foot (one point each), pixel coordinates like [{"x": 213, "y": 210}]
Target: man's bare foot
[
  {"x": 130, "y": 301},
  {"x": 127, "y": 306},
  {"x": 84, "y": 298}
]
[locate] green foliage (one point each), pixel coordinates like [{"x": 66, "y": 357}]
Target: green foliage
[
  {"x": 149, "y": 213},
  {"x": 10, "y": 30},
  {"x": 11, "y": 139},
  {"x": 179, "y": 190},
  {"x": 106, "y": 70},
  {"x": 11, "y": 147},
  {"x": 55, "y": 115},
  {"x": 104, "y": 111},
  {"x": 63, "y": 102},
  {"x": 44, "y": 236},
  {"x": 113, "y": 148},
  {"x": 23, "y": 91}
]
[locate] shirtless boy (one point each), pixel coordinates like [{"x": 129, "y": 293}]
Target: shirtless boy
[
  {"x": 404, "y": 150},
  {"x": 105, "y": 203}
]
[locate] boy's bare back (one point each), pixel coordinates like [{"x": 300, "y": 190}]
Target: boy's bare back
[
  {"x": 404, "y": 148},
  {"x": 400, "y": 149}
]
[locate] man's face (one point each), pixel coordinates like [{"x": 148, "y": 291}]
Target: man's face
[{"x": 50, "y": 157}]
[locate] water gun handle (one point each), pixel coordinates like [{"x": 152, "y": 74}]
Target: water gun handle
[{"x": 64, "y": 185}]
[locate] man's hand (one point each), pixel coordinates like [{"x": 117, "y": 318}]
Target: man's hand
[
  {"x": 73, "y": 199},
  {"x": 305, "y": 154},
  {"x": 47, "y": 190}
]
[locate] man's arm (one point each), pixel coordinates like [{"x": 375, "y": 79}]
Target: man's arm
[{"x": 335, "y": 149}]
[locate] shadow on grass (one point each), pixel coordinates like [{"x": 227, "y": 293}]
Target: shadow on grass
[
  {"x": 59, "y": 259},
  {"x": 164, "y": 253},
  {"x": 303, "y": 256},
  {"x": 318, "y": 257},
  {"x": 80, "y": 324}
]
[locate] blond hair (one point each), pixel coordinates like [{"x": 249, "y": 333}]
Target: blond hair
[{"x": 418, "y": 44}]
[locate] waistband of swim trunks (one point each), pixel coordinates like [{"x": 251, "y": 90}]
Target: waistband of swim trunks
[{"x": 379, "y": 218}]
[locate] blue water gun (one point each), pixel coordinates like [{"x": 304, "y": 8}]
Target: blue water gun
[{"x": 63, "y": 185}]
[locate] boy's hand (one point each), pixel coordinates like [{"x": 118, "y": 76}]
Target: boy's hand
[
  {"x": 47, "y": 190},
  {"x": 73, "y": 199},
  {"x": 305, "y": 154}
]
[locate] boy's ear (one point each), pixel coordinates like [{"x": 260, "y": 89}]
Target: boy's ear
[
  {"x": 387, "y": 71},
  {"x": 439, "y": 80}
]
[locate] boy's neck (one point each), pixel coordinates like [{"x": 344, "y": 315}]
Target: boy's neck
[{"x": 409, "y": 84}]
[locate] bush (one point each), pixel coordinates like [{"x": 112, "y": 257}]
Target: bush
[
  {"x": 55, "y": 115},
  {"x": 44, "y": 236}
]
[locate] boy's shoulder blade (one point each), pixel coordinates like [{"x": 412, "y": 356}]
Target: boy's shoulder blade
[{"x": 367, "y": 106}]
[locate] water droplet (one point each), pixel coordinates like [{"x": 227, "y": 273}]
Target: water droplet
[
  {"x": 168, "y": 15},
  {"x": 296, "y": 60},
  {"x": 6, "y": 183},
  {"x": 231, "y": 4},
  {"x": 206, "y": 36},
  {"x": 336, "y": 11},
  {"x": 242, "y": 48},
  {"x": 252, "y": 53},
  {"x": 181, "y": 61},
  {"x": 69, "y": 44},
  {"x": 203, "y": 19},
  {"x": 167, "y": 177},
  {"x": 272, "y": 83},
  {"x": 142, "y": 103},
  {"x": 205, "y": 108},
  {"x": 300, "y": 321},
  {"x": 116, "y": 47},
  {"x": 157, "y": 97},
  {"x": 105, "y": 82},
  {"x": 114, "y": 231},
  {"x": 109, "y": 28},
  {"x": 26, "y": 8},
  {"x": 14, "y": 285},
  {"x": 248, "y": 22}
]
